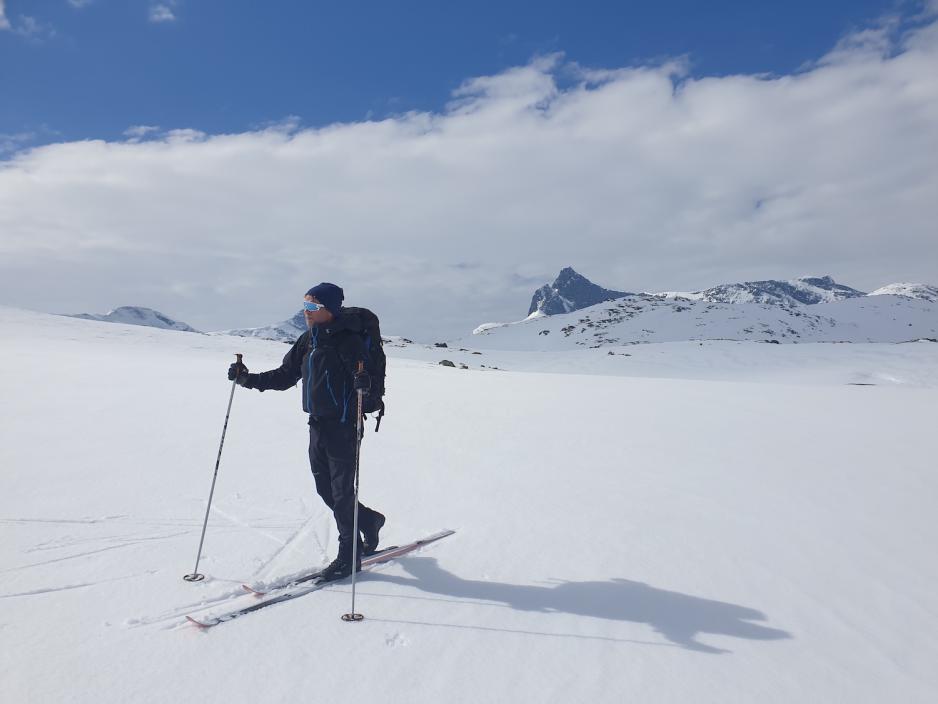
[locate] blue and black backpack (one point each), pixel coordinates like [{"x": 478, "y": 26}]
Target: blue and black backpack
[{"x": 373, "y": 402}]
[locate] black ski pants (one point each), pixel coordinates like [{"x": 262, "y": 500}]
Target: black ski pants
[{"x": 332, "y": 459}]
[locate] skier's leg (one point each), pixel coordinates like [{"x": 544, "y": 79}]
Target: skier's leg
[
  {"x": 370, "y": 523},
  {"x": 319, "y": 463},
  {"x": 340, "y": 450}
]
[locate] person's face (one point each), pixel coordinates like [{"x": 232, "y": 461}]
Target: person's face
[{"x": 316, "y": 317}]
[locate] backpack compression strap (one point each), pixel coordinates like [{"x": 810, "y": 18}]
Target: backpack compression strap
[{"x": 379, "y": 416}]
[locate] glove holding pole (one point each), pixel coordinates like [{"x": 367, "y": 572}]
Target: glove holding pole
[
  {"x": 361, "y": 383},
  {"x": 237, "y": 372}
]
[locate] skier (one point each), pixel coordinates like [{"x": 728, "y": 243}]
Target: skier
[{"x": 326, "y": 357}]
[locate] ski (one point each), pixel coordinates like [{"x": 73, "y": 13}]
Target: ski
[
  {"x": 310, "y": 584},
  {"x": 260, "y": 589}
]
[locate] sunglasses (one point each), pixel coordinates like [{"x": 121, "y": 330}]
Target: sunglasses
[{"x": 313, "y": 307}]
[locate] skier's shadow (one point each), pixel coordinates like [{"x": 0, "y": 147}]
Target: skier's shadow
[{"x": 678, "y": 617}]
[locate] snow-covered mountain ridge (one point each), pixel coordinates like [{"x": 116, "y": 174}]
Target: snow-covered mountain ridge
[
  {"x": 284, "y": 331},
  {"x": 136, "y": 315},
  {"x": 807, "y": 290},
  {"x": 922, "y": 292},
  {"x": 645, "y": 318},
  {"x": 572, "y": 291}
]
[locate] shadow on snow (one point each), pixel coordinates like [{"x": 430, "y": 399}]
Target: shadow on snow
[{"x": 678, "y": 617}]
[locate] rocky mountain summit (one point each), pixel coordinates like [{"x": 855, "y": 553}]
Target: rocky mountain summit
[{"x": 570, "y": 291}]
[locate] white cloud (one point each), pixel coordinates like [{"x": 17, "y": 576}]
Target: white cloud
[
  {"x": 33, "y": 30},
  {"x": 10, "y": 143},
  {"x": 642, "y": 178},
  {"x": 26, "y": 26},
  {"x": 138, "y": 132},
  {"x": 79, "y": 4},
  {"x": 162, "y": 12}
]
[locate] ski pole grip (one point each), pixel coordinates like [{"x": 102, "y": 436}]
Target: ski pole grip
[{"x": 240, "y": 364}]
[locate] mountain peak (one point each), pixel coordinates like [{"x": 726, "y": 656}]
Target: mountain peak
[
  {"x": 823, "y": 281},
  {"x": 570, "y": 291},
  {"x": 568, "y": 276}
]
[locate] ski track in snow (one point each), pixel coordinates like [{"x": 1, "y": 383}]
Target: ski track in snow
[
  {"x": 68, "y": 541},
  {"x": 175, "y": 617},
  {"x": 523, "y": 632},
  {"x": 69, "y": 587},
  {"x": 244, "y": 524},
  {"x": 53, "y": 521},
  {"x": 271, "y": 564},
  {"x": 126, "y": 544}
]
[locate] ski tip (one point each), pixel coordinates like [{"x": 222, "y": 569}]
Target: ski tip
[
  {"x": 198, "y": 624},
  {"x": 436, "y": 536},
  {"x": 251, "y": 590}
]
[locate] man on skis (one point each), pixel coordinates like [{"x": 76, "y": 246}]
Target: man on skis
[{"x": 327, "y": 358}]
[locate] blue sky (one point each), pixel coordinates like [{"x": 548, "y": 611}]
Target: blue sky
[
  {"x": 440, "y": 161},
  {"x": 75, "y": 69}
]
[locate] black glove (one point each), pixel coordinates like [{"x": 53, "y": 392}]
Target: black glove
[
  {"x": 238, "y": 373},
  {"x": 362, "y": 382}
]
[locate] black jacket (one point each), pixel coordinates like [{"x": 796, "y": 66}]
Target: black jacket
[{"x": 325, "y": 358}]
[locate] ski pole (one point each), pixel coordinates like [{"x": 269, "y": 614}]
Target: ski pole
[
  {"x": 195, "y": 576},
  {"x": 352, "y": 616}
]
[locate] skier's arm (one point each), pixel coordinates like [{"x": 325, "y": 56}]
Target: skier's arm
[{"x": 286, "y": 375}]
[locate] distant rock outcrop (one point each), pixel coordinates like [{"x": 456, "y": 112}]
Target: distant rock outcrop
[
  {"x": 136, "y": 315},
  {"x": 569, "y": 292}
]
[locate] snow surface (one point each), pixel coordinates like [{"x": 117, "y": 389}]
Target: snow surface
[{"x": 719, "y": 535}]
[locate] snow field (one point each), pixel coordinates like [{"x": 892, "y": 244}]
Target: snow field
[{"x": 656, "y": 539}]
